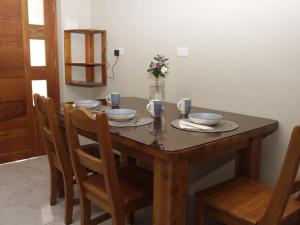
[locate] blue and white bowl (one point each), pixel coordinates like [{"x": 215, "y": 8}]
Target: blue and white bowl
[
  {"x": 88, "y": 104},
  {"x": 121, "y": 114},
  {"x": 209, "y": 119}
]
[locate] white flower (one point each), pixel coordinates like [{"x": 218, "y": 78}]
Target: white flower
[{"x": 164, "y": 70}]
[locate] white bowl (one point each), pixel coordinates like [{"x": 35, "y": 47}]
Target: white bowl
[
  {"x": 209, "y": 119},
  {"x": 89, "y": 104},
  {"x": 121, "y": 114}
]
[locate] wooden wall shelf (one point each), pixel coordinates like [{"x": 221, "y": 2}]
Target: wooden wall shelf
[
  {"x": 89, "y": 63},
  {"x": 85, "y": 84},
  {"x": 86, "y": 31},
  {"x": 84, "y": 64}
]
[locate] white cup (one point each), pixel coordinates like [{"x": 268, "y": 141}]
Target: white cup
[
  {"x": 184, "y": 105},
  {"x": 154, "y": 107}
]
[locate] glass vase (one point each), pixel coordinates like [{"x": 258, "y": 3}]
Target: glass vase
[{"x": 157, "y": 91}]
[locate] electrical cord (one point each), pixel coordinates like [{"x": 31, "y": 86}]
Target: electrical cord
[{"x": 112, "y": 68}]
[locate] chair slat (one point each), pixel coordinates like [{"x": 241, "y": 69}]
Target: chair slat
[
  {"x": 89, "y": 161},
  {"x": 296, "y": 186},
  {"x": 118, "y": 195},
  {"x": 58, "y": 155},
  {"x": 84, "y": 120},
  {"x": 284, "y": 185},
  {"x": 48, "y": 134},
  {"x": 244, "y": 201},
  {"x": 40, "y": 102}
]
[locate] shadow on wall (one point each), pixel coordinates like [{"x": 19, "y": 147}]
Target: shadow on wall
[
  {"x": 210, "y": 173},
  {"x": 206, "y": 175}
]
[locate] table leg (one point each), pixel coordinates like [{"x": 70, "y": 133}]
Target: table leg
[
  {"x": 170, "y": 193},
  {"x": 248, "y": 160},
  {"x": 126, "y": 160}
]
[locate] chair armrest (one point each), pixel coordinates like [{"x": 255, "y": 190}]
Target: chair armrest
[{"x": 296, "y": 186}]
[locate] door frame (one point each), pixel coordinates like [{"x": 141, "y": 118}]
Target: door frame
[{"x": 50, "y": 71}]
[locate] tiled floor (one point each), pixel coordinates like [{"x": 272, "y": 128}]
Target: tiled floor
[{"x": 24, "y": 197}]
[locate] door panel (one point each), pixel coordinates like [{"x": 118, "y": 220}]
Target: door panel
[
  {"x": 11, "y": 52},
  {"x": 18, "y": 131},
  {"x": 8, "y": 138},
  {"x": 12, "y": 89},
  {"x": 18, "y": 123},
  {"x": 14, "y": 130},
  {"x": 12, "y": 110}
]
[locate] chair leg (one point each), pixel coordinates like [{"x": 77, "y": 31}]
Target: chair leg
[
  {"x": 124, "y": 160},
  {"x": 85, "y": 211},
  {"x": 68, "y": 190},
  {"x": 117, "y": 221},
  {"x": 60, "y": 185},
  {"x": 131, "y": 219},
  {"x": 119, "y": 218},
  {"x": 53, "y": 185},
  {"x": 199, "y": 214}
]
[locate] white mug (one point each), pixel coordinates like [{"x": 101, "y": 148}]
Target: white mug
[
  {"x": 154, "y": 107},
  {"x": 184, "y": 105},
  {"x": 113, "y": 99}
]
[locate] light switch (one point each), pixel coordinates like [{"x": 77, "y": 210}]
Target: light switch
[
  {"x": 182, "y": 51},
  {"x": 71, "y": 24}
]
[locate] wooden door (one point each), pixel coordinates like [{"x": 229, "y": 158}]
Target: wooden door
[{"x": 19, "y": 73}]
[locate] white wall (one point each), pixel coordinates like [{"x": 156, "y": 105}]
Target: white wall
[
  {"x": 243, "y": 57},
  {"x": 79, "y": 10}
]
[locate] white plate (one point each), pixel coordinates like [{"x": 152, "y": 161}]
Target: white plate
[
  {"x": 209, "y": 119},
  {"x": 121, "y": 114},
  {"x": 89, "y": 104}
]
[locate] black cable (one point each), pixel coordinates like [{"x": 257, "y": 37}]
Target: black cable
[{"x": 112, "y": 67}]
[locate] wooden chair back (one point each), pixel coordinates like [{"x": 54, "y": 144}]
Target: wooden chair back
[
  {"x": 285, "y": 183},
  {"x": 80, "y": 120},
  {"x": 50, "y": 133}
]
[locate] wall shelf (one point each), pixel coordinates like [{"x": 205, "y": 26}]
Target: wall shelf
[
  {"x": 89, "y": 63},
  {"x": 84, "y": 64},
  {"x": 86, "y": 31},
  {"x": 85, "y": 84}
]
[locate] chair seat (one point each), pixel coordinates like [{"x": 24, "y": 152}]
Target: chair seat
[
  {"x": 242, "y": 199},
  {"x": 133, "y": 188}
]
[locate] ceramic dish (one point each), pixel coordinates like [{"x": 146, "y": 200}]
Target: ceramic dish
[
  {"x": 209, "y": 119},
  {"x": 121, "y": 114},
  {"x": 89, "y": 104}
]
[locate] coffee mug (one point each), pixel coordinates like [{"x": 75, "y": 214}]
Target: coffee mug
[
  {"x": 154, "y": 107},
  {"x": 113, "y": 99},
  {"x": 184, "y": 105}
]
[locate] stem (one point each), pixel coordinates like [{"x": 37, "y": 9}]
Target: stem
[{"x": 156, "y": 84}]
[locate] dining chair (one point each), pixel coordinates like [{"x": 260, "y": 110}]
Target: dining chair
[
  {"x": 118, "y": 192},
  {"x": 244, "y": 201},
  {"x": 55, "y": 145}
]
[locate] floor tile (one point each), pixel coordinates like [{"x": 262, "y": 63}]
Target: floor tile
[
  {"x": 25, "y": 197},
  {"x": 25, "y": 194}
]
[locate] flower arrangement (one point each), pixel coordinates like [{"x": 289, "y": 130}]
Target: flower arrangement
[{"x": 159, "y": 68}]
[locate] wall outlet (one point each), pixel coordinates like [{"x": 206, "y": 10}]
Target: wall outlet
[
  {"x": 182, "y": 51},
  {"x": 116, "y": 52},
  {"x": 121, "y": 51}
]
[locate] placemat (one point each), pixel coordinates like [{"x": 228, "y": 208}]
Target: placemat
[
  {"x": 131, "y": 123},
  {"x": 223, "y": 126},
  {"x": 101, "y": 108}
]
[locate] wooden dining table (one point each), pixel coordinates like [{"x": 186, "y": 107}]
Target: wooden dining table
[{"x": 172, "y": 152}]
